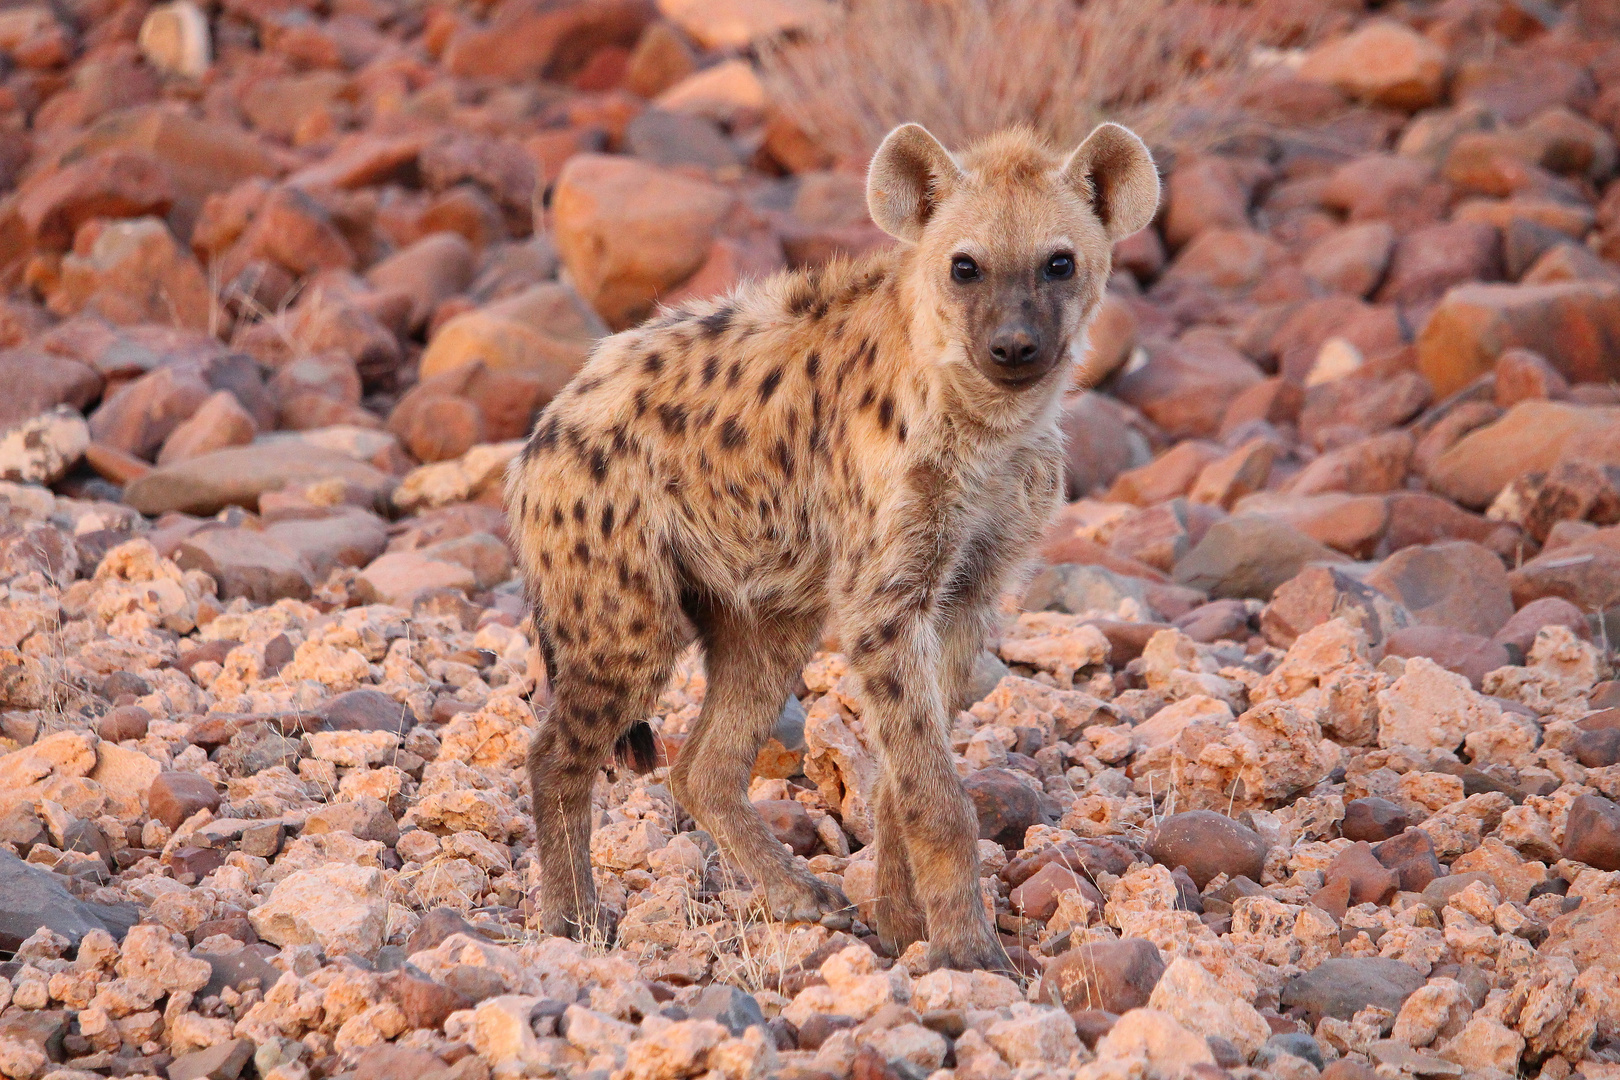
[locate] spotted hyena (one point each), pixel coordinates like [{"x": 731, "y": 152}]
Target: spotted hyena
[{"x": 871, "y": 444}]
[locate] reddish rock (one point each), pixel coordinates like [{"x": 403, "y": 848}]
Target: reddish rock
[
  {"x": 1592, "y": 834},
  {"x": 1586, "y": 573},
  {"x": 1456, "y": 584},
  {"x": 1338, "y": 410},
  {"x": 1359, "y": 873},
  {"x": 424, "y": 1002},
  {"x": 1382, "y": 62},
  {"x": 1319, "y": 593},
  {"x": 1099, "y": 443},
  {"x": 1207, "y": 192},
  {"x": 1411, "y": 856},
  {"x": 1519, "y": 632},
  {"x": 1170, "y": 475},
  {"x": 1432, "y": 259},
  {"x": 629, "y": 231},
  {"x": 1353, "y": 524},
  {"x": 1531, "y": 437},
  {"x": 1469, "y": 655},
  {"x": 1186, "y": 387},
  {"x": 1369, "y": 466},
  {"x": 37, "y": 382},
  {"x": 1007, "y": 806},
  {"x": 1208, "y": 845},
  {"x": 115, "y": 184},
  {"x": 294, "y": 231},
  {"x": 247, "y": 563},
  {"x": 124, "y": 722},
  {"x": 1351, "y": 259},
  {"x": 529, "y": 40},
  {"x": 220, "y": 421},
  {"x": 1373, "y": 187},
  {"x": 789, "y": 822},
  {"x": 1575, "y": 326},
  {"x": 429, "y": 271},
  {"x": 132, "y": 272},
  {"x": 1114, "y": 976},
  {"x": 1372, "y": 819},
  {"x": 1038, "y": 896},
  {"x": 1522, "y": 375},
  {"x": 1249, "y": 555},
  {"x": 175, "y": 796}
]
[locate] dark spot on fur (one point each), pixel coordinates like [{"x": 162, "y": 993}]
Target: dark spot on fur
[
  {"x": 768, "y": 385},
  {"x": 732, "y": 434},
  {"x": 607, "y": 521},
  {"x": 812, "y": 366},
  {"x": 599, "y": 464},
  {"x": 734, "y": 374},
  {"x": 582, "y": 553},
  {"x": 673, "y": 418},
  {"x": 717, "y": 322},
  {"x": 886, "y": 412},
  {"x": 556, "y": 516},
  {"x": 711, "y": 368},
  {"x": 888, "y": 688},
  {"x": 579, "y": 511},
  {"x": 653, "y": 364},
  {"x": 784, "y": 458}
]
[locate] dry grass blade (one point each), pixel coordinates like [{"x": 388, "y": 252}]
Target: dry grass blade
[{"x": 965, "y": 68}]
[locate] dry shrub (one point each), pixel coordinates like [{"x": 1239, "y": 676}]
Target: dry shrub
[{"x": 965, "y": 68}]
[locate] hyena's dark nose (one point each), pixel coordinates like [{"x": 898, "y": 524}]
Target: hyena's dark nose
[{"x": 1014, "y": 346}]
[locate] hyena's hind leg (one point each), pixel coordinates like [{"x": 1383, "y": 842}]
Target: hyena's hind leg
[{"x": 605, "y": 681}]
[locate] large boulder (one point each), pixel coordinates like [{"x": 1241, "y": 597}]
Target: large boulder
[
  {"x": 1575, "y": 325},
  {"x": 239, "y": 475}
]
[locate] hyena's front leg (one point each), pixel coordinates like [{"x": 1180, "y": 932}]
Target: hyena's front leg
[
  {"x": 750, "y": 663},
  {"x": 898, "y": 662}
]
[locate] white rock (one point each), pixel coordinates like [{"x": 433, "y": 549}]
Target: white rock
[
  {"x": 340, "y": 908},
  {"x": 1190, "y": 994},
  {"x": 42, "y": 449},
  {"x": 1430, "y": 708},
  {"x": 174, "y": 39}
]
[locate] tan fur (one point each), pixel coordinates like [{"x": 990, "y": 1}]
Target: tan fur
[{"x": 821, "y": 446}]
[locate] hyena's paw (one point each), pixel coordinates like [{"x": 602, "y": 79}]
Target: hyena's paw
[
  {"x": 589, "y": 922},
  {"x": 900, "y": 921},
  {"x": 980, "y": 951},
  {"x": 806, "y": 898}
]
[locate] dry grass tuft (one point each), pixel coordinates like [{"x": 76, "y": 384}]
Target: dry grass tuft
[{"x": 965, "y": 68}]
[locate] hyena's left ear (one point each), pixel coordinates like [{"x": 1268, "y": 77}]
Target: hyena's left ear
[{"x": 1114, "y": 172}]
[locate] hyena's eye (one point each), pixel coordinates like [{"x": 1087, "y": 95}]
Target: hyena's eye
[
  {"x": 964, "y": 269},
  {"x": 1059, "y": 267}
]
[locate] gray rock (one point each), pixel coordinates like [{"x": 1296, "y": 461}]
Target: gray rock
[
  {"x": 1249, "y": 555},
  {"x": 1076, "y": 589},
  {"x": 988, "y": 670},
  {"x": 364, "y": 710},
  {"x": 235, "y": 969},
  {"x": 1342, "y": 987},
  {"x": 238, "y": 476},
  {"x": 222, "y": 1061},
  {"x": 728, "y": 1006},
  {"x": 1296, "y": 1043},
  {"x": 246, "y": 562},
  {"x": 31, "y": 898}
]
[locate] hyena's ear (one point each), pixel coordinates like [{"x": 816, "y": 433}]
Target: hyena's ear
[
  {"x": 1114, "y": 172},
  {"x": 909, "y": 175}
]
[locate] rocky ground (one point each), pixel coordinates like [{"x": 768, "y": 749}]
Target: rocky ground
[{"x": 1299, "y": 756}]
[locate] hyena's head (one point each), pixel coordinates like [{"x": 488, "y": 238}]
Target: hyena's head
[{"x": 1013, "y": 242}]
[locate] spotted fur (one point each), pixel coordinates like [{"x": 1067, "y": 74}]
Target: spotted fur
[{"x": 834, "y": 445}]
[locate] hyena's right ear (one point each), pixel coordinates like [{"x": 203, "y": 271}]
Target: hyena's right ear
[{"x": 909, "y": 175}]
